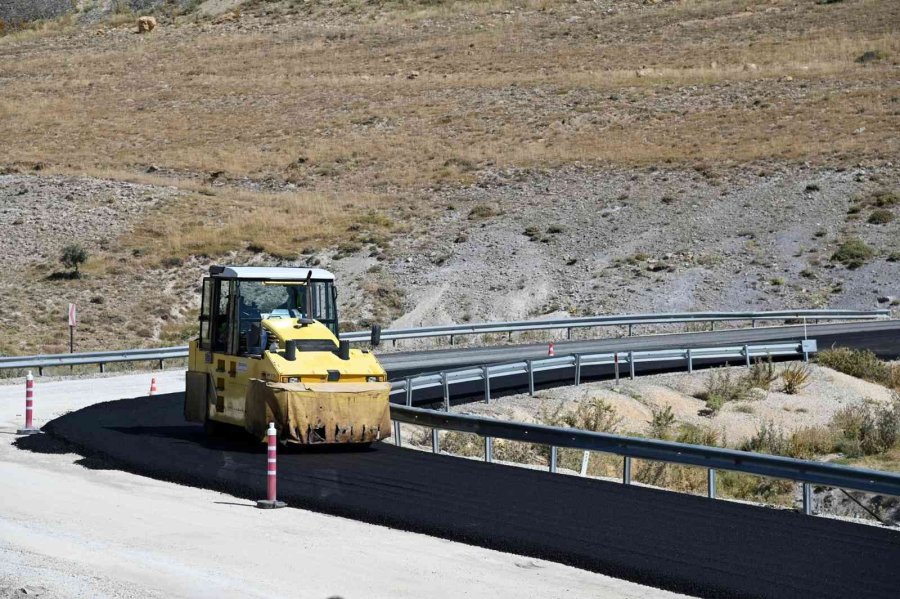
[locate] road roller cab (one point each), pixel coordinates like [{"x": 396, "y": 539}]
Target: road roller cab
[{"x": 268, "y": 351}]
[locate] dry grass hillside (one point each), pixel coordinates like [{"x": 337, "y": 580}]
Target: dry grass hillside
[{"x": 341, "y": 132}]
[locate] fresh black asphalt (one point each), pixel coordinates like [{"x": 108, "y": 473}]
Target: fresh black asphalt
[{"x": 669, "y": 540}]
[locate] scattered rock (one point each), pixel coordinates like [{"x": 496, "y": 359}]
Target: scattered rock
[{"x": 146, "y": 24}]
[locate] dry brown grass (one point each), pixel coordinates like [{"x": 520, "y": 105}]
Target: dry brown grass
[{"x": 524, "y": 90}]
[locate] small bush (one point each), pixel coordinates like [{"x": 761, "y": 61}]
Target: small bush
[
  {"x": 795, "y": 377},
  {"x": 723, "y": 386},
  {"x": 661, "y": 422},
  {"x": 880, "y": 217},
  {"x": 762, "y": 374},
  {"x": 714, "y": 403},
  {"x": 884, "y": 197},
  {"x": 862, "y": 364},
  {"x": 595, "y": 415},
  {"x": 698, "y": 435},
  {"x": 867, "y": 430},
  {"x": 172, "y": 262},
  {"x": 869, "y": 56},
  {"x": 73, "y": 256},
  {"x": 853, "y": 253},
  {"x": 483, "y": 211}
]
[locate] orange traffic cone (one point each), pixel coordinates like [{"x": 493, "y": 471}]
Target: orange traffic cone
[
  {"x": 152, "y": 385},
  {"x": 550, "y": 351}
]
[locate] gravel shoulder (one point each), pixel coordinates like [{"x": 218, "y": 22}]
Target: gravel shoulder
[{"x": 826, "y": 392}]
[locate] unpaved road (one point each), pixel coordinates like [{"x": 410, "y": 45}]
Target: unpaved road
[{"x": 73, "y": 531}]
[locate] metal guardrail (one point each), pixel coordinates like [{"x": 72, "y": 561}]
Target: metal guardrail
[
  {"x": 166, "y": 353},
  {"x": 711, "y": 458},
  {"x": 486, "y": 372},
  {"x": 100, "y": 358},
  {"x": 629, "y": 320}
]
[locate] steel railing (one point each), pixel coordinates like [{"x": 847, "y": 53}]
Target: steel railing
[
  {"x": 166, "y": 353},
  {"x": 711, "y": 458},
  {"x": 628, "y": 359},
  {"x": 629, "y": 320}
]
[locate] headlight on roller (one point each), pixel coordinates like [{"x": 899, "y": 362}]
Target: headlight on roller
[
  {"x": 373, "y": 379},
  {"x": 290, "y": 379}
]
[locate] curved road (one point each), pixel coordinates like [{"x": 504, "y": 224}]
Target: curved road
[
  {"x": 882, "y": 337},
  {"x": 668, "y": 540}
]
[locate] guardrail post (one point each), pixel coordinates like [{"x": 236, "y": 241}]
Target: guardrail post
[
  {"x": 626, "y": 470},
  {"x": 631, "y": 364},
  {"x": 488, "y": 449},
  {"x": 577, "y": 369},
  {"x": 569, "y": 333},
  {"x": 530, "y": 378},
  {"x": 101, "y": 367},
  {"x": 753, "y": 323},
  {"x": 585, "y": 458},
  {"x": 553, "y": 458},
  {"x": 451, "y": 339},
  {"x": 690, "y": 360},
  {"x": 807, "y": 499},
  {"x": 711, "y": 483},
  {"x": 409, "y": 391},
  {"x": 616, "y": 363},
  {"x": 630, "y": 330},
  {"x": 446, "y": 387},
  {"x": 747, "y": 355},
  {"x": 487, "y": 383},
  {"x": 397, "y": 440},
  {"x": 712, "y": 325},
  {"x": 160, "y": 364},
  {"x": 40, "y": 371},
  {"x": 435, "y": 441}
]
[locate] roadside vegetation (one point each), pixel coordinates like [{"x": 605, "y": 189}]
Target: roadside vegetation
[{"x": 864, "y": 434}]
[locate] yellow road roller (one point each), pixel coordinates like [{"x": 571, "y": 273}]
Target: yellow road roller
[{"x": 268, "y": 351}]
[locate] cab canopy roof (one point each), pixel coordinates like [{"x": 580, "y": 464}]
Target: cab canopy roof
[{"x": 270, "y": 273}]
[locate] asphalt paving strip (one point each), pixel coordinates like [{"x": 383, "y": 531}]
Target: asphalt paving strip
[{"x": 683, "y": 543}]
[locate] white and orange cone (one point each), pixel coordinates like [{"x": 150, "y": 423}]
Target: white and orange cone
[
  {"x": 152, "y": 385},
  {"x": 550, "y": 351}
]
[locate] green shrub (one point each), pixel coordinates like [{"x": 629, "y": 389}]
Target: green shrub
[
  {"x": 795, "y": 377},
  {"x": 869, "y": 56},
  {"x": 483, "y": 211},
  {"x": 804, "y": 443},
  {"x": 853, "y": 253},
  {"x": 723, "y": 386},
  {"x": 884, "y": 197},
  {"x": 661, "y": 422},
  {"x": 862, "y": 364},
  {"x": 867, "y": 430},
  {"x": 73, "y": 256},
  {"x": 595, "y": 415},
  {"x": 762, "y": 374},
  {"x": 698, "y": 435},
  {"x": 880, "y": 217}
]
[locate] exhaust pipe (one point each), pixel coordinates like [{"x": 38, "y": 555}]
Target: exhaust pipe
[
  {"x": 376, "y": 335},
  {"x": 290, "y": 350},
  {"x": 344, "y": 350}
]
